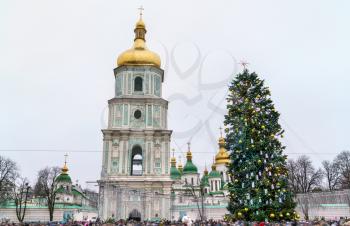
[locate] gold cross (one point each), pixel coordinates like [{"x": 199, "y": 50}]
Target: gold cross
[
  {"x": 189, "y": 145},
  {"x": 65, "y": 158},
  {"x": 141, "y": 9},
  {"x": 173, "y": 152},
  {"x": 244, "y": 64},
  {"x": 220, "y": 128}
]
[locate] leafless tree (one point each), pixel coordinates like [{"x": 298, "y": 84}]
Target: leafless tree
[
  {"x": 197, "y": 192},
  {"x": 8, "y": 175},
  {"x": 21, "y": 193},
  {"x": 343, "y": 162},
  {"x": 302, "y": 175},
  {"x": 303, "y": 202},
  {"x": 292, "y": 175},
  {"x": 46, "y": 187},
  {"x": 332, "y": 174}
]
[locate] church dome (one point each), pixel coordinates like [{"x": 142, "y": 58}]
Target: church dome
[
  {"x": 205, "y": 178},
  {"x": 222, "y": 157},
  {"x": 214, "y": 173},
  {"x": 174, "y": 172},
  {"x": 139, "y": 53},
  {"x": 189, "y": 168},
  {"x": 64, "y": 177}
]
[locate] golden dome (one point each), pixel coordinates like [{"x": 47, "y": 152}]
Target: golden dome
[
  {"x": 180, "y": 167},
  {"x": 139, "y": 54},
  {"x": 205, "y": 171},
  {"x": 189, "y": 155},
  {"x": 140, "y": 24},
  {"x": 64, "y": 168},
  {"x": 173, "y": 161},
  {"x": 222, "y": 157}
]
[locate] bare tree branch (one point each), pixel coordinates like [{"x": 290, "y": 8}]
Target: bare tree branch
[
  {"x": 302, "y": 175},
  {"x": 8, "y": 175},
  {"x": 46, "y": 187},
  {"x": 21, "y": 193},
  {"x": 343, "y": 162},
  {"x": 332, "y": 174}
]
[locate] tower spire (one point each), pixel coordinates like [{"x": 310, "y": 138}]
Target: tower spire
[
  {"x": 141, "y": 9},
  {"x": 220, "y": 128},
  {"x": 173, "y": 159},
  {"x": 65, "y": 168},
  {"x": 189, "y": 153}
]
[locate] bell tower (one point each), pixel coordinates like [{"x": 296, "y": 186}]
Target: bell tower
[{"x": 135, "y": 178}]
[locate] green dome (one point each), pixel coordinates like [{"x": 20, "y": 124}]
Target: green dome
[
  {"x": 205, "y": 181},
  {"x": 190, "y": 168},
  {"x": 214, "y": 173},
  {"x": 63, "y": 177},
  {"x": 174, "y": 173}
]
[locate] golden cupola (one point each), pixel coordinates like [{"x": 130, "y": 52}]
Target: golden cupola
[
  {"x": 139, "y": 54},
  {"x": 222, "y": 157}
]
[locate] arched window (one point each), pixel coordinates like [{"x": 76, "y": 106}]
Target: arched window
[
  {"x": 192, "y": 180},
  {"x": 138, "y": 84},
  {"x": 136, "y": 161}
]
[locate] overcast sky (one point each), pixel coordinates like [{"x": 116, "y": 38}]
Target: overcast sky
[{"x": 57, "y": 60}]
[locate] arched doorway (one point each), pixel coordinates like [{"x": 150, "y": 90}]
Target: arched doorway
[
  {"x": 136, "y": 161},
  {"x": 135, "y": 215}
]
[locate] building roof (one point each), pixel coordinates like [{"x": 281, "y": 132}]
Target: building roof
[{"x": 139, "y": 54}]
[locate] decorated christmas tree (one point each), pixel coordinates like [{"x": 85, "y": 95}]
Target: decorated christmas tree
[{"x": 259, "y": 188}]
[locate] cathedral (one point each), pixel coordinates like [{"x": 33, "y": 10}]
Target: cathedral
[{"x": 139, "y": 178}]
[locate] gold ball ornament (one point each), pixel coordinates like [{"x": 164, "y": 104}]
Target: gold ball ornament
[
  {"x": 246, "y": 209},
  {"x": 259, "y": 161},
  {"x": 287, "y": 214},
  {"x": 281, "y": 215},
  {"x": 239, "y": 214},
  {"x": 262, "y": 127},
  {"x": 272, "y": 215},
  {"x": 236, "y": 181}
]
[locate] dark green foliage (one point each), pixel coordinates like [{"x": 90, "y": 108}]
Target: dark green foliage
[{"x": 259, "y": 188}]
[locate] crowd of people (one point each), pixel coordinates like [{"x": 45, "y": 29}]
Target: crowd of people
[{"x": 187, "y": 222}]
